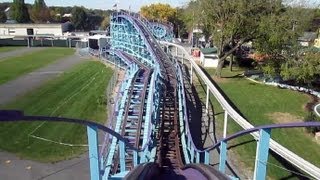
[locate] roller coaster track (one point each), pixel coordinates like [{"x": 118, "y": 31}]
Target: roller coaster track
[
  {"x": 169, "y": 157},
  {"x": 290, "y": 156},
  {"x": 175, "y": 147},
  {"x": 168, "y": 147}
]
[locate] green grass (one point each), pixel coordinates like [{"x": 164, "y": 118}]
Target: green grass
[
  {"x": 13, "y": 67},
  {"x": 255, "y": 101},
  {"x": 79, "y": 93},
  {"x": 8, "y": 48}
]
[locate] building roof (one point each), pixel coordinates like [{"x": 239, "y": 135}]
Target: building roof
[
  {"x": 21, "y": 25},
  {"x": 67, "y": 15},
  {"x": 308, "y": 36},
  {"x": 209, "y": 50}
]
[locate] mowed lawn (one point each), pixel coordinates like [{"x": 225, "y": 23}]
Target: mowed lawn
[
  {"x": 13, "y": 67},
  {"x": 261, "y": 105},
  {"x": 8, "y": 48},
  {"x": 79, "y": 93}
]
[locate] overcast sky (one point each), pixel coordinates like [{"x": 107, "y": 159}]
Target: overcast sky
[{"x": 123, "y": 4}]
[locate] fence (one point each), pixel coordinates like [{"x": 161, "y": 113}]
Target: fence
[{"x": 39, "y": 42}]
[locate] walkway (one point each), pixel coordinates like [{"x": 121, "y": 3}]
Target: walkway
[
  {"x": 18, "y": 87},
  {"x": 18, "y": 52},
  {"x": 14, "y": 168}
]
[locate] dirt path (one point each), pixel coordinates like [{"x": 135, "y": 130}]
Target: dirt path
[
  {"x": 18, "y": 87},
  {"x": 18, "y": 52}
]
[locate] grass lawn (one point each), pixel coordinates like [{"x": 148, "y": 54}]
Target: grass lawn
[
  {"x": 13, "y": 67},
  {"x": 79, "y": 93},
  {"x": 262, "y": 104},
  {"x": 8, "y": 48}
]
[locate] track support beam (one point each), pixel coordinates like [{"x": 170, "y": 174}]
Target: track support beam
[
  {"x": 93, "y": 152},
  {"x": 262, "y": 153}
]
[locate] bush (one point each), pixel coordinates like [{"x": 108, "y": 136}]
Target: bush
[{"x": 311, "y": 117}]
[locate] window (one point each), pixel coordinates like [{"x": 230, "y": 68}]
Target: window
[{"x": 11, "y": 31}]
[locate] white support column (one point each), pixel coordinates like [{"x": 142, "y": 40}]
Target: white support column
[
  {"x": 176, "y": 51},
  {"x": 207, "y": 100},
  {"x": 225, "y": 124},
  {"x": 182, "y": 58},
  {"x": 191, "y": 74}
]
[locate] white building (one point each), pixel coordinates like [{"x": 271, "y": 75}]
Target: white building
[
  {"x": 30, "y": 29},
  {"x": 98, "y": 42},
  {"x": 209, "y": 57},
  {"x": 307, "y": 39}
]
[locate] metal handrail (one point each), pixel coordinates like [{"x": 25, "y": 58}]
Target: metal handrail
[{"x": 17, "y": 115}]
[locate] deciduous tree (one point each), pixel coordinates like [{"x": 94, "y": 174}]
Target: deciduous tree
[
  {"x": 235, "y": 22},
  {"x": 159, "y": 11},
  {"x": 304, "y": 69},
  {"x": 20, "y": 11},
  {"x": 105, "y": 23},
  {"x": 40, "y": 13},
  {"x": 3, "y": 17},
  {"x": 79, "y": 18}
]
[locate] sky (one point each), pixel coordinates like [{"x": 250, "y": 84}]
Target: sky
[
  {"x": 124, "y": 4},
  {"x": 107, "y": 4}
]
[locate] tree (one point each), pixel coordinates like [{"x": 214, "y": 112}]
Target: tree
[
  {"x": 304, "y": 69},
  {"x": 20, "y": 11},
  {"x": 55, "y": 16},
  {"x": 279, "y": 35},
  {"x": 159, "y": 11},
  {"x": 93, "y": 21},
  {"x": 105, "y": 23},
  {"x": 3, "y": 17},
  {"x": 40, "y": 13},
  {"x": 233, "y": 23},
  {"x": 79, "y": 18}
]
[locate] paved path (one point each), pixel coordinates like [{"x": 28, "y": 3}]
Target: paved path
[
  {"x": 12, "y": 167},
  {"x": 23, "y": 84},
  {"x": 18, "y": 52}
]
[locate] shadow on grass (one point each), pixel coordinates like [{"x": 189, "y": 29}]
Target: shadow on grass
[
  {"x": 222, "y": 93},
  {"x": 242, "y": 143},
  {"x": 230, "y": 77},
  {"x": 295, "y": 172},
  {"x": 285, "y": 165},
  {"x": 194, "y": 110},
  {"x": 211, "y": 120}
]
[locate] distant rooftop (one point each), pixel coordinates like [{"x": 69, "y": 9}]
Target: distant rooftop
[
  {"x": 308, "y": 36},
  {"x": 209, "y": 50}
]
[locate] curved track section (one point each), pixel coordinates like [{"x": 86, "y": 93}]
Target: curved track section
[
  {"x": 164, "y": 132},
  {"x": 317, "y": 110},
  {"x": 164, "y": 119},
  {"x": 275, "y": 146}
]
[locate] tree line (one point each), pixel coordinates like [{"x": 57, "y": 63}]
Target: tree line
[
  {"x": 82, "y": 18},
  {"x": 271, "y": 27}
]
